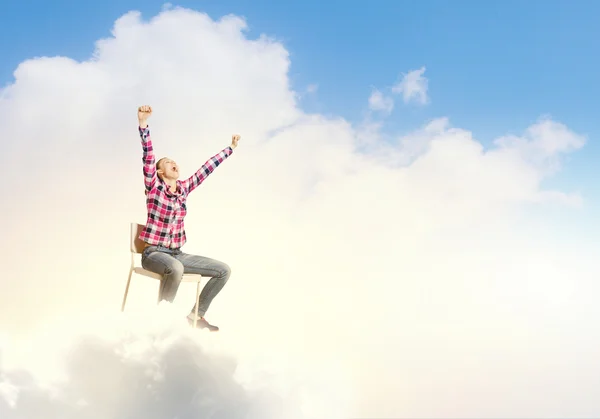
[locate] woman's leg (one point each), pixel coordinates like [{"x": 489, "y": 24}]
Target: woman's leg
[
  {"x": 218, "y": 272},
  {"x": 166, "y": 265}
]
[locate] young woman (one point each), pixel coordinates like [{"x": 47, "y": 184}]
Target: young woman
[{"x": 164, "y": 233}]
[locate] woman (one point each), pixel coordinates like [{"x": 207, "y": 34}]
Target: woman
[{"x": 164, "y": 233}]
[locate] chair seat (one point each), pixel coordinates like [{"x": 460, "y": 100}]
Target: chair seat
[{"x": 186, "y": 277}]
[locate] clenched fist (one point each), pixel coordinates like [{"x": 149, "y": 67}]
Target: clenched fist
[
  {"x": 234, "y": 140},
  {"x": 144, "y": 113}
]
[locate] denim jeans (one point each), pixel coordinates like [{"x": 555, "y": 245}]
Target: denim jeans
[{"x": 173, "y": 263}]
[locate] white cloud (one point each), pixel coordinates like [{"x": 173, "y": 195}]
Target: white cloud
[
  {"x": 154, "y": 370},
  {"x": 425, "y": 269},
  {"x": 413, "y": 87},
  {"x": 379, "y": 102},
  {"x": 312, "y": 88},
  {"x": 542, "y": 143}
]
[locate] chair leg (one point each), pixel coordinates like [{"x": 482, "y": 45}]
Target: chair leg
[
  {"x": 126, "y": 290},
  {"x": 197, "y": 305}
]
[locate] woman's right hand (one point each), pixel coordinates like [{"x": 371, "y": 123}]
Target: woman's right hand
[{"x": 144, "y": 113}]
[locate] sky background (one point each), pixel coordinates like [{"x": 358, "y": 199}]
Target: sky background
[
  {"x": 494, "y": 65},
  {"x": 410, "y": 215}
]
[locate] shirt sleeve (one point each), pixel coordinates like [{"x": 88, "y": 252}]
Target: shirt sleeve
[
  {"x": 148, "y": 159},
  {"x": 206, "y": 169}
]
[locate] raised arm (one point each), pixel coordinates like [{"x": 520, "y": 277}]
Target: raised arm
[
  {"x": 211, "y": 164},
  {"x": 148, "y": 158}
]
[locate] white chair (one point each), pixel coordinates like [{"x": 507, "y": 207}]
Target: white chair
[{"x": 136, "y": 246}]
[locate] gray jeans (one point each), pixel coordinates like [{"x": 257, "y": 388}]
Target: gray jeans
[{"x": 173, "y": 263}]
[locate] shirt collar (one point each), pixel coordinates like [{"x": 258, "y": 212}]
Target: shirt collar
[{"x": 168, "y": 190}]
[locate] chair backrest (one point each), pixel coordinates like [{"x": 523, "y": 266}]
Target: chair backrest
[{"x": 136, "y": 245}]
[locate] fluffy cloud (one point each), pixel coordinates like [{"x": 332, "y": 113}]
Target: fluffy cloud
[
  {"x": 379, "y": 102},
  {"x": 161, "y": 369},
  {"x": 413, "y": 87},
  {"x": 421, "y": 269}
]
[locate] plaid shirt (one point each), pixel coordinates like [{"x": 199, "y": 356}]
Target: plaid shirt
[{"x": 166, "y": 210}]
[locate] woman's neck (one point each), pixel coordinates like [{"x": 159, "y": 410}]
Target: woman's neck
[{"x": 171, "y": 183}]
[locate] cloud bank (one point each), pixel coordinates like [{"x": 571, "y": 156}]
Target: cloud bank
[
  {"x": 422, "y": 276},
  {"x": 158, "y": 370}
]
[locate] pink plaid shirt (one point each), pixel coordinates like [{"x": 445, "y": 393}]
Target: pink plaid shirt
[{"x": 166, "y": 210}]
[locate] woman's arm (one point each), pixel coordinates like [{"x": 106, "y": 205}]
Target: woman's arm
[
  {"x": 211, "y": 164},
  {"x": 148, "y": 158}
]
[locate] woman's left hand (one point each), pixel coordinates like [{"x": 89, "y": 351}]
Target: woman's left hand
[{"x": 234, "y": 140}]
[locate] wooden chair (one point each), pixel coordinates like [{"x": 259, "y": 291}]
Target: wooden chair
[{"x": 136, "y": 246}]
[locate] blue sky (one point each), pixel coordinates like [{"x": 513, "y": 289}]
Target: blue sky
[{"x": 493, "y": 67}]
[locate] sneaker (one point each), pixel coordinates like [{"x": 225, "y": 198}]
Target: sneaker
[{"x": 203, "y": 324}]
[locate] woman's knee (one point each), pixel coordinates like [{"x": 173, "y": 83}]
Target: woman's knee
[{"x": 225, "y": 271}]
